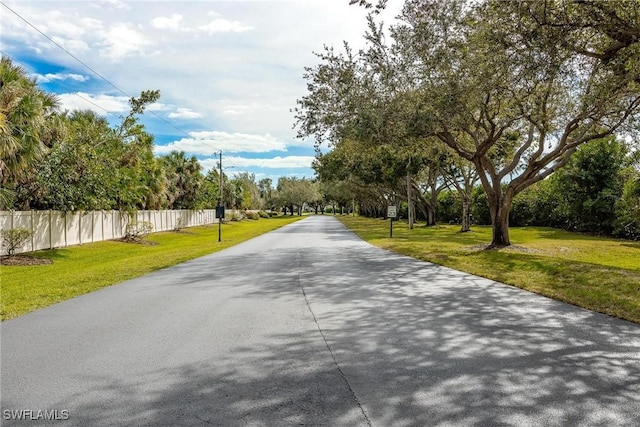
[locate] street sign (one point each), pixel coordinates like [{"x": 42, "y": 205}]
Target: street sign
[
  {"x": 220, "y": 216},
  {"x": 392, "y": 213},
  {"x": 220, "y": 212}
]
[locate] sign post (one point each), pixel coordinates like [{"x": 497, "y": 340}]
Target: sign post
[
  {"x": 220, "y": 216},
  {"x": 392, "y": 213}
]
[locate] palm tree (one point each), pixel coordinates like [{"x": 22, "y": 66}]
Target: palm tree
[
  {"x": 26, "y": 124},
  {"x": 184, "y": 179}
]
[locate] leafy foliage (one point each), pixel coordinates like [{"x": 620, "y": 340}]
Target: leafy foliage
[
  {"x": 513, "y": 88},
  {"x": 27, "y": 127},
  {"x": 294, "y": 192}
]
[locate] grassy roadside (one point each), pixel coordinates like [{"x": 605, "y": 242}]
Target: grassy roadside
[
  {"x": 78, "y": 270},
  {"x": 600, "y": 274}
]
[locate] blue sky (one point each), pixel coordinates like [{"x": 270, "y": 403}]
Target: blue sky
[{"x": 229, "y": 72}]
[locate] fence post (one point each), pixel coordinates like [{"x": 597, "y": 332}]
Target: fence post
[
  {"x": 50, "y": 231},
  {"x": 33, "y": 237}
]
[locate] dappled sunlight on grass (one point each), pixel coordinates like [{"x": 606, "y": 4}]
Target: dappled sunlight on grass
[{"x": 600, "y": 274}]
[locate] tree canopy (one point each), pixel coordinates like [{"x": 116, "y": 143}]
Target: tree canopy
[{"x": 513, "y": 88}]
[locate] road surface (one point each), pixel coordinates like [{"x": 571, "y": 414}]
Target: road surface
[{"x": 309, "y": 325}]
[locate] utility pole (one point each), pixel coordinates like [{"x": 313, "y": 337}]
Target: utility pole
[
  {"x": 220, "y": 206},
  {"x": 409, "y": 200}
]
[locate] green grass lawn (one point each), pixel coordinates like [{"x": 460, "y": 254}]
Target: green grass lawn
[
  {"x": 78, "y": 270},
  {"x": 596, "y": 273}
]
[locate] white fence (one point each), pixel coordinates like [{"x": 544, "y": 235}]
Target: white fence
[{"x": 56, "y": 229}]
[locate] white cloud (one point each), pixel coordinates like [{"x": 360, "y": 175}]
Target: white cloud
[
  {"x": 121, "y": 41},
  {"x": 167, "y": 23},
  {"x": 72, "y": 45},
  {"x": 239, "y": 68},
  {"x": 212, "y": 142},
  {"x": 80, "y": 101},
  {"x": 184, "y": 113},
  {"x": 287, "y": 162},
  {"x": 220, "y": 25},
  {"x": 158, "y": 106},
  {"x": 243, "y": 109},
  {"x": 49, "y": 77},
  {"x": 228, "y": 162},
  {"x": 116, "y": 4}
]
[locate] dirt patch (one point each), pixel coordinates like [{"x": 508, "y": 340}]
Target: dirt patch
[
  {"x": 139, "y": 242},
  {"x": 183, "y": 232},
  {"x": 23, "y": 260},
  {"x": 510, "y": 248}
]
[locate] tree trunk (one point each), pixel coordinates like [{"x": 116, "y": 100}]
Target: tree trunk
[
  {"x": 499, "y": 208},
  {"x": 431, "y": 216},
  {"x": 410, "y": 215},
  {"x": 466, "y": 220}
]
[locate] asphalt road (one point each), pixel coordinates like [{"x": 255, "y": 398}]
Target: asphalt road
[{"x": 308, "y": 325}]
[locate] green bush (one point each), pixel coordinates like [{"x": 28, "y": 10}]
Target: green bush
[
  {"x": 480, "y": 207},
  {"x": 252, "y": 215},
  {"x": 15, "y": 238},
  {"x": 449, "y": 207},
  {"x": 263, "y": 214},
  {"x": 233, "y": 216},
  {"x": 628, "y": 210}
]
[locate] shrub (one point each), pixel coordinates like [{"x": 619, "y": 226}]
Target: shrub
[
  {"x": 136, "y": 231},
  {"x": 233, "y": 216},
  {"x": 449, "y": 207},
  {"x": 252, "y": 215},
  {"x": 15, "y": 238},
  {"x": 180, "y": 224},
  {"x": 273, "y": 213},
  {"x": 263, "y": 214}
]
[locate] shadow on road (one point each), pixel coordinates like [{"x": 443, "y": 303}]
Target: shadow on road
[{"x": 419, "y": 344}]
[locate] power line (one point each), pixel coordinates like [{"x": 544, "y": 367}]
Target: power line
[
  {"x": 90, "y": 69},
  {"x": 76, "y": 93},
  {"x": 65, "y": 50}
]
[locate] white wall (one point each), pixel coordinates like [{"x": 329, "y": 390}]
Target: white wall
[{"x": 56, "y": 229}]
